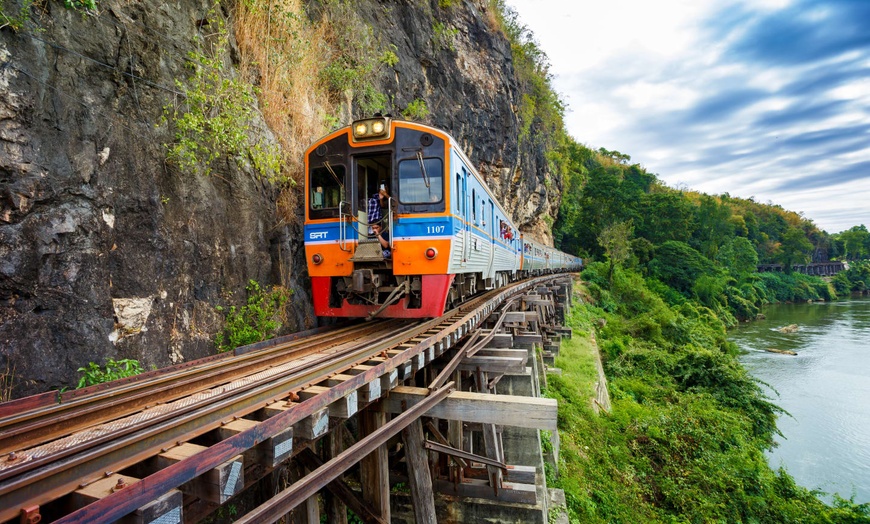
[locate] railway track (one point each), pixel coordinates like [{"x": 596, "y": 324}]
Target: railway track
[{"x": 53, "y": 445}]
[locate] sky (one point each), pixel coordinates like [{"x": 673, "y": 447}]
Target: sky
[{"x": 762, "y": 99}]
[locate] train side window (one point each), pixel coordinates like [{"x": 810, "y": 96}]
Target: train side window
[
  {"x": 325, "y": 191},
  {"x": 458, "y": 193},
  {"x": 474, "y": 206}
]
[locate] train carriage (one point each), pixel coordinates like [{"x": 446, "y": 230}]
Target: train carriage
[{"x": 443, "y": 235}]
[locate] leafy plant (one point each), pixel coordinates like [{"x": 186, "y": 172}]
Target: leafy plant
[
  {"x": 17, "y": 20},
  {"x": 113, "y": 370},
  {"x": 214, "y": 117},
  {"x": 80, "y": 4},
  {"x": 256, "y": 321},
  {"x": 389, "y": 58},
  {"x": 444, "y": 37},
  {"x": 416, "y": 110}
]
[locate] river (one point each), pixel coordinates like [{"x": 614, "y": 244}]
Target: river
[{"x": 825, "y": 389}]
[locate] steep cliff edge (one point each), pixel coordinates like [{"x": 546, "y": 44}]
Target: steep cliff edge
[{"x": 108, "y": 251}]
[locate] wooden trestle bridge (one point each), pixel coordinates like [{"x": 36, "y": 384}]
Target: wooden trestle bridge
[{"x": 174, "y": 445}]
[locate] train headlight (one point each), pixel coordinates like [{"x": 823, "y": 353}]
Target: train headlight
[
  {"x": 377, "y": 128},
  {"x": 317, "y": 258},
  {"x": 431, "y": 253}
]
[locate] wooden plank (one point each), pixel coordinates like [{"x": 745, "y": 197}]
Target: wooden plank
[
  {"x": 370, "y": 391},
  {"x": 507, "y": 410},
  {"x": 521, "y": 474},
  {"x": 345, "y": 407},
  {"x": 511, "y": 353},
  {"x": 501, "y": 340},
  {"x": 509, "y": 492},
  {"x": 419, "y": 477},
  {"x": 168, "y": 508},
  {"x": 270, "y": 453},
  {"x": 497, "y": 365},
  {"x": 217, "y": 485}
]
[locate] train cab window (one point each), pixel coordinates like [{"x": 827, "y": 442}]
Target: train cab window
[
  {"x": 421, "y": 182},
  {"x": 326, "y": 190}
]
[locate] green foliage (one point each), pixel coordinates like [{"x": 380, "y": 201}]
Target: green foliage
[
  {"x": 15, "y": 20},
  {"x": 389, "y": 58},
  {"x": 355, "y": 57},
  {"x": 76, "y": 5},
  {"x": 685, "y": 439},
  {"x": 113, "y": 370},
  {"x": 416, "y": 110},
  {"x": 214, "y": 118},
  {"x": 256, "y": 321},
  {"x": 444, "y": 37}
]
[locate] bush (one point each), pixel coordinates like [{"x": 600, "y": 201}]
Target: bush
[
  {"x": 113, "y": 370},
  {"x": 256, "y": 321}
]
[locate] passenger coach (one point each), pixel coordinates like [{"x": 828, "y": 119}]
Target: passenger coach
[{"x": 443, "y": 235}]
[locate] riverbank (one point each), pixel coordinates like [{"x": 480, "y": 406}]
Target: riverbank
[{"x": 686, "y": 436}]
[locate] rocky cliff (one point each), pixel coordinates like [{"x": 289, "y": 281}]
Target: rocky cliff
[{"x": 109, "y": 251}]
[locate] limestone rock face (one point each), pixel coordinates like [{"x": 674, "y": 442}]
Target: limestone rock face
[
  {"x": 461, "y": 65},
  {"x": 106, "y": 251}
]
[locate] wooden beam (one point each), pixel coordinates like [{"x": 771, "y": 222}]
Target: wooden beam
[
  {"x": 419, "y": 478},
  {"x": 509, "y": 492},
  {"x": 507, "y": 410},
  {"x": 496, "y": 365},
  {"x": 167, "y": 508},
  {"x": 217, "y": 485},
  {"x": 271, "y": 452}
]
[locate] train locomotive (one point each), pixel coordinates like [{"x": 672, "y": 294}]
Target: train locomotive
[{"x": 398, "y": 223}]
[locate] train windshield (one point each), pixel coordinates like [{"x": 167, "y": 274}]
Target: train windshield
[
  {"x": 421, "y": 181},
  {"x": 326, "y": 190}
]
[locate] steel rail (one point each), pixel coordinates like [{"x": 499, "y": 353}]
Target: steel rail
[
  {"x": 113, "y": 449},
  {"x": 50, "y": 481},
  {"x": 30, "y": 428}
]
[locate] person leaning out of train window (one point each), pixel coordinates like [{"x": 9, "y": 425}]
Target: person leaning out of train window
[
  {"x": 383, "y": 237},
  {"x": 376, "y": 203}
]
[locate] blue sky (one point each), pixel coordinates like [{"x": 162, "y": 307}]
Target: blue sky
[{"x": 768, "y": 99}]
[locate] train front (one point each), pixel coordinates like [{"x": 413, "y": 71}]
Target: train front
[{"x": 377, "y": 224}]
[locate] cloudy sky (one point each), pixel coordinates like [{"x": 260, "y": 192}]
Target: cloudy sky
[{"x": 759, "y": 98}]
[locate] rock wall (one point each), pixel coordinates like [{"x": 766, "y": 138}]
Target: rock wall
[{"x": 108, "y": 252}]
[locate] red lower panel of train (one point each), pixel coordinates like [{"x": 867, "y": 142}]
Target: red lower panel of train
[{"x": 434, "y": 289}]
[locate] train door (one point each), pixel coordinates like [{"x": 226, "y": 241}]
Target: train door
[
  {"x": 372, "y": 173},
  {"x": 462, "y": 211},
  {"x": 493, "y": 231}
]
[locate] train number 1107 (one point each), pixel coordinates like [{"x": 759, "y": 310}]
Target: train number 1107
[{"x": 435, "y": 229}]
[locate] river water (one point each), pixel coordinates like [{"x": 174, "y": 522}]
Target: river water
[{"x": 825, "y": 389}]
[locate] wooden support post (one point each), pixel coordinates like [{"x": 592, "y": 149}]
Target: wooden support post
[
  {"x": 374, "y": 467},
  {"x": 165, "y": 509},
  {"x": 217, "y": 485},
  {"x": 491, "y": 441},
  {"x": 336, "y": 510},
  {"x": 418, "y": 474}
]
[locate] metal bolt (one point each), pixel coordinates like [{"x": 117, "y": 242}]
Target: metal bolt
[
  {"x": 120, "y": 485},
  {"x": 12, "y": 457}
]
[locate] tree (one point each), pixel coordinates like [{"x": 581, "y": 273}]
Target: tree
[
  {"x": 854, "y": 242},
  {"x": 794, "y": 249},
  {"x": 739, "y": 257},
  {"x": 616, "y": 241}
]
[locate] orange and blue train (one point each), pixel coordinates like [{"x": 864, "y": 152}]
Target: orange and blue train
[{"x": 444, "y": 236}]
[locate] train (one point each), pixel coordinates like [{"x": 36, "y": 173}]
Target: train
[{"x": 399, "y": 224}]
